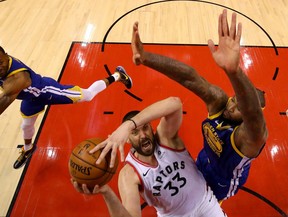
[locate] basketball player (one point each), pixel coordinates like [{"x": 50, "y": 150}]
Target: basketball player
[
  {"x": 235, "y": 131},
  {"x": 18, "y": 81},
  {"x": 158, "y": 167}
]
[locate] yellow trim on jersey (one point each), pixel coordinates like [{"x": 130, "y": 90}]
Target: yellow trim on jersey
[
  {"x": 16, "y": 71},
  {"x": 220, "y": 202},
  {"x": 233, "y": 143},
  {"x": 10, "y": 63},
  {"x": 216, "y": 115},
  {"x": 78, "y": 89},
  {"x": 24, "y": 116},
  {"x": 220, "y": 112}
]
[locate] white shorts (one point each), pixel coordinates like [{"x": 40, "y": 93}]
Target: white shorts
[{"x": 209, "y": 206}]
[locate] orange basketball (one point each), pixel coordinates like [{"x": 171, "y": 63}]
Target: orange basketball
[{"x": 83, "y": 168}]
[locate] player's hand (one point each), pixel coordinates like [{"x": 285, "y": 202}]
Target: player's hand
[
  {"x": 227, "y": 54},
  {"x": 137, "y": 47},
  {"x": 115, "y": 141},
  {"x": 80, "y": 188},
  {"x": 83, "y": 189},
  {"x": 76, "y": 186}
]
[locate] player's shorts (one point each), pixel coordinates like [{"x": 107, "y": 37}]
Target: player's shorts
[
  {"x": 51, "y": 94},
  {"x": 222, "y": 186},
  {"x": 217, "y": 185},
  {"x": 208, "y": 207}
]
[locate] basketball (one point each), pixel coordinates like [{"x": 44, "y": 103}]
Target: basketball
[{"x": 83, "y": 168}]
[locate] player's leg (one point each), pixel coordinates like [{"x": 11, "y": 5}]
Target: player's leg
[
  {"x": 119, "y": 75},
  {"x": 56, "y": 93},
  {"x": 30, "y": 111},
  {"x": 28, "y": 148},
  {"x": 210, "y": 206}
]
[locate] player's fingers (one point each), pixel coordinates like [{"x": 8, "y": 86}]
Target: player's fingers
[
  {"x": 113, "y": 156},
  {"x": 85, "y": 189},
  {"x": 122, "y": 154},
  {"x": 76, "y": 186},
  {"x": 100, "y": 158},
  {"x": 96, "y": 189},
  {"x": 98, "y": 147},
  {"x": 135, "y": 29},
  {"x": 211, "y": 46},
  {"x": 224, "y": 23},
  {"x": 135, "y": 26},
  {"x": 233, "y": 26},
  {"x": 239, "y": 33},
  {"x": 103, "y": 153},
  {"x": 220, "y": 32}
]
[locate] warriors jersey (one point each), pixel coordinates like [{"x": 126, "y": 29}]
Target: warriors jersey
[
  {"x": 224, "y": 167},
  {"x": 43, "y": 90},
  {"x": 175, "y": 186}
]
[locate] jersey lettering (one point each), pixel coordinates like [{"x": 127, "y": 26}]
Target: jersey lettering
[{"x": 212, "y": 138}]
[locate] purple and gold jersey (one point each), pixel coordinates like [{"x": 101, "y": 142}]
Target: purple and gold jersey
[
  {"x": 224, "y": 167},
  {"x": 43, "y": 90}
]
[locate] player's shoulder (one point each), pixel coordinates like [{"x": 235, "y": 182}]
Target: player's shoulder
[
  {"x": 128, "y": 174},
  {"x": 127, "y": 169}
]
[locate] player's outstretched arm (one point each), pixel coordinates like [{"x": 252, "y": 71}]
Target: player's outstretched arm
[
  {"x": 160, "y": 109},
  {"x": 252, "y": 133},
  {"x": 115, "y": 207},
  {"x": 214, "y": 97}
]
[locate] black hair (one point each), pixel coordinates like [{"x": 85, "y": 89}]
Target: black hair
[
  {"x": 261, "y": 97},
  {"x": 130, "y": 115},
  {"x": 2, "y": 50}
]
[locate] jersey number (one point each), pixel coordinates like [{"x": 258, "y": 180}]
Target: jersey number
[{"x": 173, "y": 188}]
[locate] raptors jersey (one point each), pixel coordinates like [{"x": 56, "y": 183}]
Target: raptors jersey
[
  {"x": 175, "y": 187},
  {"x": 224, "y": 167},
  {"x": 43, "y": 90}
]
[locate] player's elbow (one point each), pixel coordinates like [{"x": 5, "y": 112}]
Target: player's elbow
[{"x": 176, "y": 102}]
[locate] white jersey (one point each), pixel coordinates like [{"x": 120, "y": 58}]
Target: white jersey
[{"x": 175, "y": 187}]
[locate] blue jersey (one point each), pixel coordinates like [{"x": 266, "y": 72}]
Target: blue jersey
[
  {"x": 224, "y": 167},
  {"x": 43, "y": 90}
]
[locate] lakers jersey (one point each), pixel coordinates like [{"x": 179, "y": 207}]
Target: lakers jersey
[
  {"x": 175, "y": 186},
  {"x": 224, "y": 167}
]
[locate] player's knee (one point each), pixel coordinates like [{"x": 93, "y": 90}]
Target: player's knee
[
  {"x": 86, "y": 95},
  {"x": 28, "y": 130}
]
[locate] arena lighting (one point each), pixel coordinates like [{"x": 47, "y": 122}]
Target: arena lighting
[
  {"x": 80, "y": 59},
  {"x": 89, "y": 31},
  {"x": 274, "y": 150}
]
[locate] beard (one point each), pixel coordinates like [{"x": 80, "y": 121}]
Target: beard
[{"x": 146, "y": 146}]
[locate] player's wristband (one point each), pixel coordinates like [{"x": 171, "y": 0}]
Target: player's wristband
[{"x": 135, "y": 125}]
